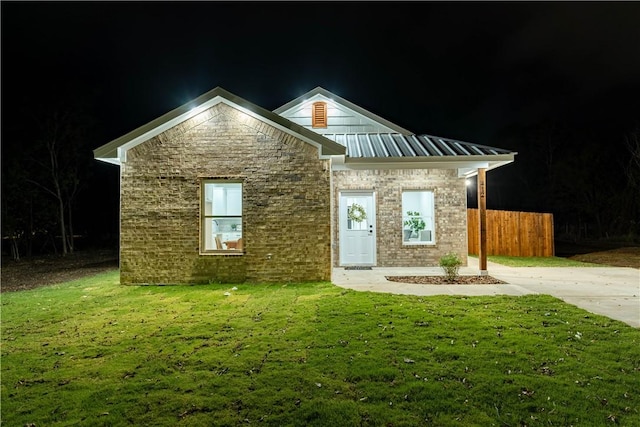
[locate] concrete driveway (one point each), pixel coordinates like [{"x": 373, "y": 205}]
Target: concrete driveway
[{"x": 610, "y": 291}]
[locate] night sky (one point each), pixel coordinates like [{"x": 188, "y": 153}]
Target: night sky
[{"x": 465, "y": 70}]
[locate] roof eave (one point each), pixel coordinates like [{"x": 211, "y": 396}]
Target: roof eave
[
  {"x": 466, "y": 165},
  {"x": 110, "y": 149},
  {"x": 115, "y": 151}
]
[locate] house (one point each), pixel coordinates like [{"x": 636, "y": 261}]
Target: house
[{"x": 222, "y": 190}]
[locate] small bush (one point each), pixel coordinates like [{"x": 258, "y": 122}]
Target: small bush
[{"x": 450, "y": 263}]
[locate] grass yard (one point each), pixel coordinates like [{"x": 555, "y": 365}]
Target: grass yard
[
  {"x": 513, "y": 261},
  {"x": 94, "y": 353}
]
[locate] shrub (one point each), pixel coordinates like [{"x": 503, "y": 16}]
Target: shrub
[{"x": 450, "y": 263}]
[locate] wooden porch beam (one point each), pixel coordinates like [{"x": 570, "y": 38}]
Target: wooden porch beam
[{"x": 482, "y": 217}]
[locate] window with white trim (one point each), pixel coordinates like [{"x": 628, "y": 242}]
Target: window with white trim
[
  {"x": 418, "y": 217},
  {"x": 221, "y": 213}
]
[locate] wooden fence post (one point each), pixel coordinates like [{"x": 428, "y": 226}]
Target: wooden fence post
[{"x": 482, "y": 225}]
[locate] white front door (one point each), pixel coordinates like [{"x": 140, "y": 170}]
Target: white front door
[{"x": 357, "y": 228}]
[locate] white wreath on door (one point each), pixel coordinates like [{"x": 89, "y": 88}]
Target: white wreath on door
[{"x": 356, "y": 213}]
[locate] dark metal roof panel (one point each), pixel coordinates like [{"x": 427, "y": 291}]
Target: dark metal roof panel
[
  {"x": 432, "y": 146},
  {"x": 365, "y": 146},
  {"x": 377, "y": 145},
  {"x": 380, "y": 145},
  {"x": 392, "y": 149},
  {"x": 403, "y": 145},
  {"x": 352, "y": 145}
]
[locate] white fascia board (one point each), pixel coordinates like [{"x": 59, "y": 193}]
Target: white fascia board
[
  {"x": 369, "y": 117},
  {"x": 122, "y": 150},
  {"x": 471, "y": 172},
  {"x": 440, "y": 162},
  {"x": 314, "y": 98},
  {"x": 337, "y": 162},
  {"x": 407, "y": 165},
  {"x": 111, "y": 160},
  {"x": 326, "y": 96}
]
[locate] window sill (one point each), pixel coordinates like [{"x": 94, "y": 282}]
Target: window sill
[
  {"x": 230, "y": 252},
  {"x": 418, "y": 243}
]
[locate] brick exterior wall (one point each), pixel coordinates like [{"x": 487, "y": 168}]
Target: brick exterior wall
[
  {"x": 450, "y": 200},
  {"x": 286, "y": 203}
]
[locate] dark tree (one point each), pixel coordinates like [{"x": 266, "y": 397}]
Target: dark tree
[
  {"x": 630, "y": 200},
  {"x": 15, "y": 225},
  {"x": 28, "y": 218},
  {"x": 582, "y": 174},
  {"x": 59, "y": 162},
  {"x": 632, "y": 168}
]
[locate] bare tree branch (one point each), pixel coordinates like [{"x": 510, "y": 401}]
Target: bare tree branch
[{"x": 632, "y": 169}]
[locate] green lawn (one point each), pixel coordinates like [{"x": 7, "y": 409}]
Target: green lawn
[
  {"x": 532, "y": 261},
  {"x": 95, "y": 353}
]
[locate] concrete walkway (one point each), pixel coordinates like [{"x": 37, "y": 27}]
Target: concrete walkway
[{"x": 610, "y": 291}]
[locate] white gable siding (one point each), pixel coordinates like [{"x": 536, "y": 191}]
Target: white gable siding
[{"x": 340, "y": 119}]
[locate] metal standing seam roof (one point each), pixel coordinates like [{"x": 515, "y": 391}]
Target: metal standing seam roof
[{"x": 381, "y": 145}]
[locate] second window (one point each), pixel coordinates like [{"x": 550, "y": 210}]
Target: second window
[{"x": 417, "y": 217}]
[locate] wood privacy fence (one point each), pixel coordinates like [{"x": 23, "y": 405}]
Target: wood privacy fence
[{"x": 513, "y": 233}]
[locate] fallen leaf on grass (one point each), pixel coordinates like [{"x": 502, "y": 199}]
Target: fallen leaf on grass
[{"x": 526, "y": 392}]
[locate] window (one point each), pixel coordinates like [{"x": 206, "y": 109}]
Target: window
[
  {"x": 319, "y": 115},
  {"x": 222, "y": 217},
  {"x": 417, "y": 218}
]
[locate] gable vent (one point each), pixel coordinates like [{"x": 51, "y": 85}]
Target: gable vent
[{"x": 319, "y": 115}]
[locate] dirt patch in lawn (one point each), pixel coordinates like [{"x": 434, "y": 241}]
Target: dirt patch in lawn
[
  {"x": 442, "y": 280},
  {"x": 620, "y": 257},
  {"x": 34, "y": 272}
]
